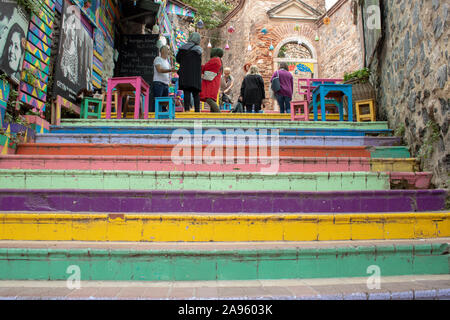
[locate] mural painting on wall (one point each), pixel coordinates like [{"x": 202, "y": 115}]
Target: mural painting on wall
[
  {"x": 301, "y": 67},
  {"x": 108, "y": 63},
  {"x": 73, "y": 70},
  {"x": 13, "y": 30}
]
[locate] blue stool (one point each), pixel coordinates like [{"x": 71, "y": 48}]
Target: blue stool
[
  {"x": 159, "y": 114},
  {"x": 226, "y": 106},
  {"x": 336, "y": 92}
]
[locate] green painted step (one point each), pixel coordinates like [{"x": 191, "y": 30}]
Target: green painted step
[
  {"x": 381, "y": 125},
  {"x": 390, "y": 152},
  {"x": 218, "y": 264},
  {"x": 216, "y": 181}
]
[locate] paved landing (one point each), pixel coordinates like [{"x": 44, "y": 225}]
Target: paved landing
[{"x": 424, "y": 287}]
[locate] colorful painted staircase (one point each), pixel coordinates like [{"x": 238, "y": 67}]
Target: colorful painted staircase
[{"x": 114, "y": 183}]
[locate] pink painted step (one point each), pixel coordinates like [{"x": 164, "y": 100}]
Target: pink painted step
[
  {"x": 164, "y": 163},
  {"x": 411, "y": 180}
]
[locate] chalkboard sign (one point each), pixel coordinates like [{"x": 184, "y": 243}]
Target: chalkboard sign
[{"x": 136, "y": 56}]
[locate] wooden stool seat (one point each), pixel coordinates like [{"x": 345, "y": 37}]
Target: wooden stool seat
[
  {"x": 365, "y": 104},
  {"x": 170, "y": 113},
  {"x": 303, "y": 115},
  {"x": 226, "y": 106},
  {"x": 86, "y": 103}
]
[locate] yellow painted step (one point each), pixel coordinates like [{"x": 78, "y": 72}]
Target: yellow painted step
[
  {"x": 219, "y": 228},
  {"x": 394, "y": 165}
]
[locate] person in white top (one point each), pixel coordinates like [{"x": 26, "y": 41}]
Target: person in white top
[{"x": 161, "y": 73}]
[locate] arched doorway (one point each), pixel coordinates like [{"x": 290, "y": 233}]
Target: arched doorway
[{"x": 301, "y": 57}]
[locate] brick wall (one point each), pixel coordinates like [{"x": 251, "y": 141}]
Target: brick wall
[
  {"x": 340, "y": 44},
  {"x": 248, "y": 24}
]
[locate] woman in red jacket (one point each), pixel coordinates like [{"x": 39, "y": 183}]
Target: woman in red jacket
[{"x": 211, "y": 76}]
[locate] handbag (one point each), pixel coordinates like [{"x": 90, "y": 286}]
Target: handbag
[
  {"x": 209, "y": 75},
  {"x": 275, "y": 85}
]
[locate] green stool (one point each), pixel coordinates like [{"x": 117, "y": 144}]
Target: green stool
[{"x": 97, "y": 104}]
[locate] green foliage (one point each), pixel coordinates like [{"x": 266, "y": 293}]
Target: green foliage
[
  {"x": 361, "y": 75},
  {"x": 282, "y": 52},
  {"x": 29, "y": 5},
  {"x": 31, "y": 77},
  {"x": 211, "y": 12},
  {"x": 400, "y": 131},
  {"x": 426, "y": 150}
]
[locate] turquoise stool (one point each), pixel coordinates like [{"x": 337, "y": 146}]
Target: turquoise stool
[
  {"x": 336, "y": 92},
  {"x": 330, "y": 101},
  {"x": 159, "y": 114},
  {"x": 226, "y": 106},
  {"x": 85, "y": 113}
]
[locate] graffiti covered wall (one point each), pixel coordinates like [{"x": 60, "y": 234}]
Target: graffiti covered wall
[{"x": 73, "y": 70}]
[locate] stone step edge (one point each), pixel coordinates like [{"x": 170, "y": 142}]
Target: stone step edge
[
  {"x": 435, "y": 247},
  {"x": 168, "y": 158},
  {"x": 434, "y": 243},
  {"x": 396, "y": 175}
]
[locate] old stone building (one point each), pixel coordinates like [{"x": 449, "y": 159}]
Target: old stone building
[
  {"x": 410, "y": 74},
  {"x": 268, "y": 32}
]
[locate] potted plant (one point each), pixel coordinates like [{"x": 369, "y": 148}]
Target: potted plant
[
  {"x": 35, "y": 119},
  {"x": 87, "y": 4},
  {"x": 361, "y": 87}
]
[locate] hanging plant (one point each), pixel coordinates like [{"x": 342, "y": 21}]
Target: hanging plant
[{"x": 30, "y": 6}]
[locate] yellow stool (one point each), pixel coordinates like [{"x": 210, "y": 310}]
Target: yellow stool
[{"x": 365, "y": 116}]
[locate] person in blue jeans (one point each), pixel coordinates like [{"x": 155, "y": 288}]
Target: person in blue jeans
[
  {"x": 161, "y": 73},
  {"x": 284, "y": 95}
]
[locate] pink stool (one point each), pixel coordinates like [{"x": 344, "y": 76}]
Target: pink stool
[
  {"x": 129, "y": 84},
  {"x": 301, "y": 115}
]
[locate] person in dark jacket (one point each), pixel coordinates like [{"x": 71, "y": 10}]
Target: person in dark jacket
[
  {"x": 252, "y": 90},
  {"x": 190, "y": 73}
]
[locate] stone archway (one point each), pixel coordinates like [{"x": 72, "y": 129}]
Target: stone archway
[
  {"x": 305, "y": 53},
  {"x": 296, "y": 39}
]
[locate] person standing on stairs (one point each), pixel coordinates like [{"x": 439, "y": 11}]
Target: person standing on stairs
[
  {"x": 212, "y": 74},
  {"x": 161, "y": 74},
  {"x": 190, "y": 73},
  {"x": 252, "y": 91},
  {"x": 284, "y": 95}
]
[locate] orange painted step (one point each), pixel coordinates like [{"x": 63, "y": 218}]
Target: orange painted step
[{"x": 166, "y": 150}]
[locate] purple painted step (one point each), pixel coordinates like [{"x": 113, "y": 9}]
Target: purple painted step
[{"x": 127, "y": 201}]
